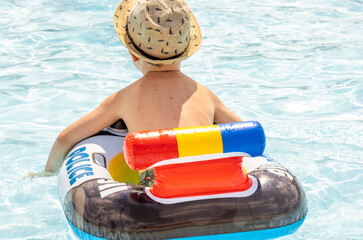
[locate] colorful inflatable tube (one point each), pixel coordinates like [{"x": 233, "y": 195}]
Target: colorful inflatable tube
[{"x": 210, "y": 183}]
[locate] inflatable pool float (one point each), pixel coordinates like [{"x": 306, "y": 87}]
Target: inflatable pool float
[{"x": 201, "y": 189}]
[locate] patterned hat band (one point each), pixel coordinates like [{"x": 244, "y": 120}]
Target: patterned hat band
[{"x": 148, "y": 55}]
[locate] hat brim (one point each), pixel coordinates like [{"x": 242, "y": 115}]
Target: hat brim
[{"x": 120, "y": 22}]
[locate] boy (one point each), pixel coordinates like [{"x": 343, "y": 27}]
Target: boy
[{"x": 159, "y": 34}]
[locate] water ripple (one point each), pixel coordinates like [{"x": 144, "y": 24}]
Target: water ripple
[{"x": 296, "y": 66}]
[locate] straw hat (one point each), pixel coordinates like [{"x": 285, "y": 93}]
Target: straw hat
[{"x": 158, "y": 31}]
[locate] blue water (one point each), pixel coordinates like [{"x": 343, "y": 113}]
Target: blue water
[{"x": 295, "y": 66}]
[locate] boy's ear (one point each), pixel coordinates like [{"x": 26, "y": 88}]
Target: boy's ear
[{"x": 134, "y": 58}]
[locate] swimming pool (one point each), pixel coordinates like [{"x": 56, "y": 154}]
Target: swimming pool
[{"x": 295, "y": 66}]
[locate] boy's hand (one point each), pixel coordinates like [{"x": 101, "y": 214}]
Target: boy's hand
[{"x": 43, "y": 173}]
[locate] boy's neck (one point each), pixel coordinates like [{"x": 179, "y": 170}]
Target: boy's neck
[
  {"x": 146, "y": 68},
  {"x": 161, "y": 74}
]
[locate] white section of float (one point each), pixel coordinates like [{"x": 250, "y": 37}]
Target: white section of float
[
  {"x": 88, "y": 160},
  {"x": 251, "y": 163}
]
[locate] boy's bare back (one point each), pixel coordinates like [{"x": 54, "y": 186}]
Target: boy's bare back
[{"x": 166, "y": 100}]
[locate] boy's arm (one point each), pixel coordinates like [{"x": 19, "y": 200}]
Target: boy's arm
[
  {"x": 221, "y": 113},
  {"x": 104, "y": 115}
]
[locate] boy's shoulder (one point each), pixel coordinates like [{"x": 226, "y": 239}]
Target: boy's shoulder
[
  {"x": 148, "y": 84},
  {"x": 156, "y": 84}
]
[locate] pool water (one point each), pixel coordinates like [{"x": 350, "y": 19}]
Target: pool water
[{"x": 295, "y": 66}]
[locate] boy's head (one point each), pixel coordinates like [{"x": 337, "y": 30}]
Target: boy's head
[{"x": 160, "y": 32}]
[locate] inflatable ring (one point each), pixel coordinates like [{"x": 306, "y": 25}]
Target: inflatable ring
[{"x": 201, "y": 190}]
